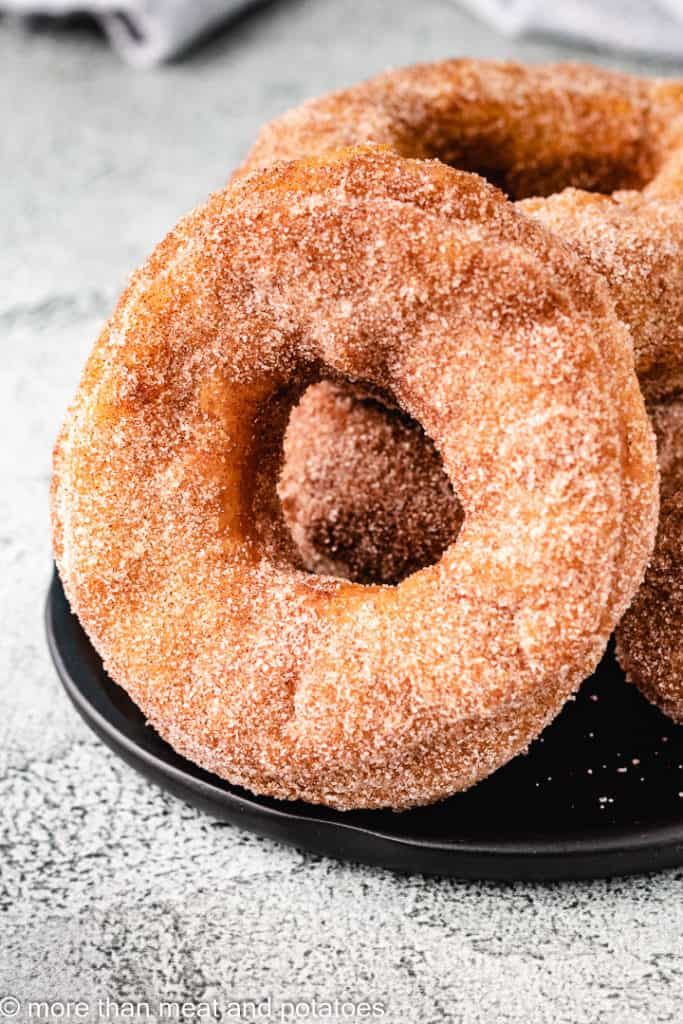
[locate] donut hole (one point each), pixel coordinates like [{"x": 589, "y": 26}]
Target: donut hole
[
  {"x": 536, "y": 180},
  {"x": 500, "y": 165},
  {"x": 363, "y": 489}
]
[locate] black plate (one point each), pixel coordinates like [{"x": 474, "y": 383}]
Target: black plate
[{"x": 600, "y": 793}]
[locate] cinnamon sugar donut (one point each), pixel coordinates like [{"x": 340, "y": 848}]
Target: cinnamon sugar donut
[
  {"x": 534, "y": 131},
  {"x": 423, "y": 284},
  {"x": 650, "y": 635},
  {"x": 636, "y": 243},
  {"x": 530, "y": 130}
]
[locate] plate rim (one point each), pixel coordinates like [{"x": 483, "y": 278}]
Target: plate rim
[{"x": 615, "y": 850}]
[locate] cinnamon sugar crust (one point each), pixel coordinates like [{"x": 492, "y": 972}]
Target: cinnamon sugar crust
[{"x": 423, "y": 285}]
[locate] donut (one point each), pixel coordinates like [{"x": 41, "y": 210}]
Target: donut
[
  {"x": 369, "y": 501},
  {"x": 422, "y": 285},
  {"x": 530, "y": 130},
  {"x": 534, "y": 131},
  {"x": 650, "y": 635},
  {"x": 649, "y": 645},
  {"x": 636, "y": 244}
]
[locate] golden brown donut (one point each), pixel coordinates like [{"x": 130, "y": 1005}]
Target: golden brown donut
[
  {"x": 650, "y": 635},
  {"x": 363, "y": 489},
  {"x": 534, "y": 131},
  {"x": 422, "y": 283},
  {"x": 636, "y": 243},
  {"x": 530, "y": 130}
]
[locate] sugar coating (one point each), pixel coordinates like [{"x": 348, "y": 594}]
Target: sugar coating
[
  {"x": 423, "y": 285},
  {"x": 650, "y": 635}
]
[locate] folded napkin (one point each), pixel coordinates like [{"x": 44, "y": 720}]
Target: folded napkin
[
  {"x": 643, "y": 26},
  {"x": 144, "y": 32}
]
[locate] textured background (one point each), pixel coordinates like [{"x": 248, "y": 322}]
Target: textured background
[{"x": 109, "y": 888}]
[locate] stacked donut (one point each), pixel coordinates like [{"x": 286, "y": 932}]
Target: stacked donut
[{"x": 359, "y": 478}]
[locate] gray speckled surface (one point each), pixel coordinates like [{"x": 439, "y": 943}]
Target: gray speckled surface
[{"x": 108, "y": 888}]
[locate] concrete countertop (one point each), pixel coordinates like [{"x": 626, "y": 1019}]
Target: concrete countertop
[{"x": 110, "y": 889}]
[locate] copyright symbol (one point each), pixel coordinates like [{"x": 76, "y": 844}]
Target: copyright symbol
[{"x": 9, "y": 1006}]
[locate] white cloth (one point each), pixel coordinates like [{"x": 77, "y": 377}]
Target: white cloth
[
  {"x": 642, "y": 26},
  {"x": 144, "y": 32}
]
